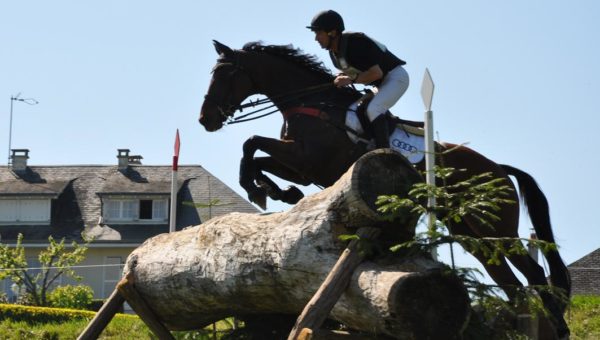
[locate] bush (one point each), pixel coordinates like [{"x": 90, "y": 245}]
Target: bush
[
  {"x": 76, "y": 297},
  {"x": 96, "y": 305},
  {"x": 42, "y": 314},
  {"x": 24, "y": 322}
]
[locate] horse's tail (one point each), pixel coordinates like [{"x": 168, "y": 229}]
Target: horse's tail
[{"x": 539, "y": 213}]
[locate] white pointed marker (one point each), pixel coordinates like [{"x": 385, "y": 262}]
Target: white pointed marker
[{"x": 427, "y": 95}]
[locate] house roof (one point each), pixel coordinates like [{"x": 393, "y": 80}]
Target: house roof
[
  {"x": 585, "y": 274},
  {"x": 77, "y": 191},
  {"x": 29, "y": 183},
  {"x": 590, "y": 260}
]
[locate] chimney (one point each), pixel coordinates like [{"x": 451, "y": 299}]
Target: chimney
[
  {"x": 123, "y": 158},
  {"x": 19, "y": 159},
  {"x": 135, "y": 160}
]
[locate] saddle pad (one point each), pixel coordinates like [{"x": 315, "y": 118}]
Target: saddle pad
[{"x": 406, "y": 140}]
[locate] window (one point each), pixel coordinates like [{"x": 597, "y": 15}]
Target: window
[
  {"x": 128, "y": 210},
  {"x": 145, "y": 209},
  {"x": 25, "y": 211},
  {"x": 159, "y": 210},
  {"x": 113, "y": 267},
  {"x": 120, "y": 210}
]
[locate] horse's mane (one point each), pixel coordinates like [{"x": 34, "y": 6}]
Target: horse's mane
[{"x": 294, "y": 55}]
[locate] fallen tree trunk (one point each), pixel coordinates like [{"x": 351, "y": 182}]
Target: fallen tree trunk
[{"x": 249, "y": 264}]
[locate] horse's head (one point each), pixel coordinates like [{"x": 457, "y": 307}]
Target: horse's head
[{"x": 229, "y": 86}]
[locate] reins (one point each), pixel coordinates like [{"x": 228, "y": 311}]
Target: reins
[
  {"x": 285, "y": 98},
  {"x": 293, "y": 95}
]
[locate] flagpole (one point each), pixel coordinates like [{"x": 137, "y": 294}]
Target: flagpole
[{"x": 173, "y": 210}]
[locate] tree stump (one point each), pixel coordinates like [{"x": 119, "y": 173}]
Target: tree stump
[{"x": 252, "y": 264}]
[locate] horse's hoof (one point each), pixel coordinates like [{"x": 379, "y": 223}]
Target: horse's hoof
[
  {"x": 291, "y": 195},
  {"x": 271, "y": 192},
  {"x": 259, "y": 197}
]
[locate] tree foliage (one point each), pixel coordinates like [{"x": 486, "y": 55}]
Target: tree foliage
[
  {"x": 55, "y": 261},
  {"x": 479, "y": 197}
]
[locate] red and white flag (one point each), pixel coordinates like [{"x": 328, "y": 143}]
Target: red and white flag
[{"x": 176, "y": 154}]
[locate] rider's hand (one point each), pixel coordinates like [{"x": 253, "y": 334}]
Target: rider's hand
[{"x": 342, "y": 80}]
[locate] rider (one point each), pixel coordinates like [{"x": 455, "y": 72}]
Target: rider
[{"x": 366, "y": 61}]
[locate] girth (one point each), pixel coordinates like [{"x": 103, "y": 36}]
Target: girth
[{"x": 304, "y": 110}]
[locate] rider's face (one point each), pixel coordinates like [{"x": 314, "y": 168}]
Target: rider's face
[{"x": 323, "y": 39}]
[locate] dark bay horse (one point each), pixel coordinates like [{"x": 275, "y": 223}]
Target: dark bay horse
[{"x": 315, "y": 148}]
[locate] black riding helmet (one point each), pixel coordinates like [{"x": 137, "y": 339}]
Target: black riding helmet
[{"x": 327, "y": 21}]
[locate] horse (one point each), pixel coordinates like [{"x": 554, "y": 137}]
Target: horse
[{"x": 315, "y": 148}]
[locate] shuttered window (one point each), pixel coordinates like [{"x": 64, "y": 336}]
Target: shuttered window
[{"x": 25, "y": 211}]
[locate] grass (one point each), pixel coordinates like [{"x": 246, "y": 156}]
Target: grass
[
  {"x": 119, "y": 328},
  {"x": 122, "y": 327},
  {"x": 583, "y": 318}
]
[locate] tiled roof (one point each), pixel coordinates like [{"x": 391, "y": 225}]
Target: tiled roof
[
  {"x": 29, "y": 183},
  {"x": 78, "y": 189},
  {"x": 585, "y": 274}
]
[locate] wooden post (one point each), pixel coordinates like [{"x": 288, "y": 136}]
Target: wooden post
[
  {"x": 527, "y": 325},
  {"x": 322, "y": 334},
  {"x": 318, "y": 308},
  {"x": 127, "y": 289},
  {"x": 103, "y": 317}
]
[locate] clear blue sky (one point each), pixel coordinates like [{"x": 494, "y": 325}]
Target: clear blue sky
[{"x": 518, "y": 80}]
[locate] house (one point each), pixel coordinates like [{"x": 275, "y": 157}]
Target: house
[
  {"x": 119, "y": 206},
  {"x": 585, "y": 274}
]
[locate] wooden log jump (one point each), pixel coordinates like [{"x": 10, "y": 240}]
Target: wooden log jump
[{"x": 255, "y": 264}]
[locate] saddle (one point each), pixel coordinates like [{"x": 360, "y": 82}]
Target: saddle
[{"x": 410, "y": 126}]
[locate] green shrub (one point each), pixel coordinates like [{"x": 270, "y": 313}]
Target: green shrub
[
  {"x": 77, "y": 297},
  {"x": 40, "y": 323},
  {"x": 42, "y": 314},
  {"x": 96, "y": 304}
]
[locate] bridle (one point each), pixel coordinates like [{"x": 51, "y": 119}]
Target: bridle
[
  {"x": 227, "y": 110},
  {"x": 223, "y": 105}
]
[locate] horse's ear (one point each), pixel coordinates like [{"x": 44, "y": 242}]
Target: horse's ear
[{"x": 222, "y": 49}]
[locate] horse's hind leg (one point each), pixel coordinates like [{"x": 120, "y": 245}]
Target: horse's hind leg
[
  {"x": 536, "y": 277},
  {"x": 503, "y": 275},
  {"x": 501, "y": 272}
]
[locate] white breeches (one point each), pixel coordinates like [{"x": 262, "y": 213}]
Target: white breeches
[{"x": 389, "y": 92}]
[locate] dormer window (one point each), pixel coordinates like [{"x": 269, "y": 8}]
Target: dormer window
[
  {"x": 25, "y": 211},
  {"x": 135, "y": 210}
]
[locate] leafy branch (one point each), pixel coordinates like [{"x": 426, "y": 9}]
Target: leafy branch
[{"x": 54, "y": 261}]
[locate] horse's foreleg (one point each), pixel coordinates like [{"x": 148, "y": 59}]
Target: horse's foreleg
[
  {"x": 291, "y": 194},
  {"x": 248, "y": 174},
  {"x": 250, "y": 169},
  {"x": 276, "y": 168}
]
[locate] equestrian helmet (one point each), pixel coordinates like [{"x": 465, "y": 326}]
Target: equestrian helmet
[{"x": 327, "y": 21}]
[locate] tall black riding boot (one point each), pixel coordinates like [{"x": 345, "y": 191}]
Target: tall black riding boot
[{"x": 381, "y": 132}]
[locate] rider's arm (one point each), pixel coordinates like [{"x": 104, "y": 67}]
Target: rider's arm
[{"x": 370, "y": 75}]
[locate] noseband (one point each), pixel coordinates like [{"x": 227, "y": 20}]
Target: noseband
[
  {"x": 224, "y": 106},
  {"x": 225, "y": 110}
]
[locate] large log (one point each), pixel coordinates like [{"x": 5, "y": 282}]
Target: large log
[{"x": 249, "y": 264}]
